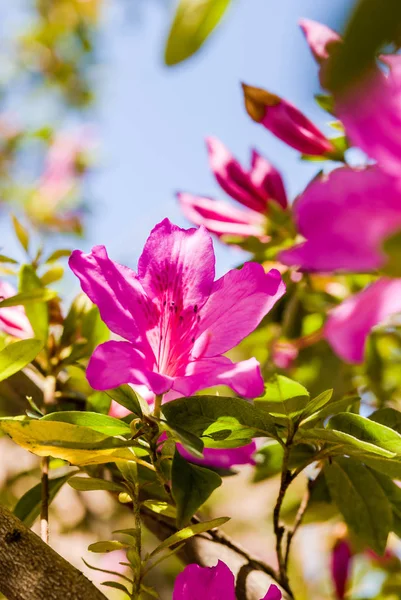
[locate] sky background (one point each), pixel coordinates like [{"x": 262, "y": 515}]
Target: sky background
[{"x": 151, "y": 120}]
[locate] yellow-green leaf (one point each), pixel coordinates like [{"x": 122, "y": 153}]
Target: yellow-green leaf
[
  {"x": 188, "y": 532},
  {"x": 18, "y": 355}
]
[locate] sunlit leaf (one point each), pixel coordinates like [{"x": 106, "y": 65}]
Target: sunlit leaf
[
  {"x": 18, "y": 355},
  {"x": 188, "y": 532}
]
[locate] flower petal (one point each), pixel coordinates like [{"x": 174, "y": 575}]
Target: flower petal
[
  {"x": 273, "y": 593},
  {"x": 222, "y": 459},
  {"x": 267, "y": 179},
  {"x": 178, "y": 261},
  {"x": 239, "y": 301},
  {"x": 220, "y": 217},
  {"x": 243, "y": 377},
  {"x": 13, "y": 319},
  {"x": 350, "y": 323},
  {"x": 198, "y": 583},
  {"x": 329, "y": 210},
  {"x": 319, "y": 38},
  {"x": 114, "y": 363},
  {"x": 117, "y": 292}
]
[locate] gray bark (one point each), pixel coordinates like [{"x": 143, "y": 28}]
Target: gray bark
[{"x": 31, "y": 570}]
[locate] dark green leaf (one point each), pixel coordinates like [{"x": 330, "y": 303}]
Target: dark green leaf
[
  {"x": 388, "y": 417},
  {"x": 392, "y": 250},
  {"x": 37, "y": 312},
  {"x": 95, "y": 421},
  {"x": 126, "y": 396},
  {"x": 361, "y": 500},
  {"x": 219, "y": 421},
  {"x": 117, "y": 586},
  {"x": 193, "y": 22},
  {"x": 393, "y": 494},
  {"x": 28, "y": 507},
  {"x": 84, "y": 484},
  {"x": 191, "y": 487},
  {"x": 190, "y": 441},
  {"x": 18, "y": 355}
]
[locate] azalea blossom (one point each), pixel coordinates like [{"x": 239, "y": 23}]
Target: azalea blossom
[
  {"x": 177, "y": 322},
  {"x": 350, "y": 323},
  {"x": 285, "y": 121},
  {"x": 320, "y": 38},
  {"x": 222, "y": 458},
  {"x": 254, "y": 189},
  {"x": 13, "y": 319},
  {"x": 345, "y": 217},
  {"x": 340, "y": 564},
  {"x": 213, "y": 583}
]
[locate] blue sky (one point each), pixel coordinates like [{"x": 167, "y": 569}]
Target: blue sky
[{"x": 152, "y": 120}]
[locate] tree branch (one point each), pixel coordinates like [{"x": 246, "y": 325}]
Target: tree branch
[{"x": 31, "y": 570}]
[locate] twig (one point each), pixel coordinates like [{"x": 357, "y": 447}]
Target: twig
[
  {"x": 298, "y": 520},
  {"x": 44, "y": 511}
]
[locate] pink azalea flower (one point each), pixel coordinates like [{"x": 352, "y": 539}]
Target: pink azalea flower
[
  {"x": 254, "y": 189},
  {"x": 285, "y": 121},
  {"x": 320, "y": 38},
  {"x": 344, "y": 217},
  {"x": 340, "y": 567},
  {"x": 213, "y": 583},
  {"x": 176, "y": 320},
  {"x": 284, "y": 354},
  {"x": 222, "y": 458},
  {"x": 350, "y": 323},
  {"x": 13, "y": 319}
]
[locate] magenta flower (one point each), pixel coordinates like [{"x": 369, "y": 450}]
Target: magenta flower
[
  {"x": 13, "y": 319},
  {"x": 350, "y": 323},
  {"x": 176, "y": 320},
  {"x": 254, "y": 189},
  {"x": 340, "y": 567},
  {"x": 222, "y": 458},
  {"x": 320, "y": 38},
  {"x": 285, "y": 121},
  {"x": 336, "y": 206},
  {"x": 213, "y": 583}
]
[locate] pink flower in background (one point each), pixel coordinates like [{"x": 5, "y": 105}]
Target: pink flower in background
[
  {"x": 340, "y": 567},
  {"x": 284, "y": 354},
  {"x": 222, "y": 458},
  {"x": 178, "y": 321},
  {"x": 285, "y": 121},
  {"x": 350, "y": 323},
  {"x": 345, "y": 217},
  {"x": 320, "y": 38},
  {"x": 13, "y": 319},
  {"x": 213, "y": 583},
  {"x": 254, "y": 189}
]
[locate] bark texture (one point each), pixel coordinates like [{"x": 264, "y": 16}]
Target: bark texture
[{"x": 31, "y": 570}]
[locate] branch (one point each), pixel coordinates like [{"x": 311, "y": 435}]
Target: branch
[
  {"x": 31, "y": 570},
  {"x": 252, "y": 575}
]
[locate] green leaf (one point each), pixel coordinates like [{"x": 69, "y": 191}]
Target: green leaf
[
  {"x": 367, "y": 431},
  {"x": 117, "y": 586},
  {"x": 73, "y": 443},
  {"x": 188, "y": 532},
  {"x": 392, "y": 249},
  {"x": 193, "y": 22},
  {"x": 361, "y": 500},
  {"x": 18, "y": 355},
  {"x": 269, "y": 460},
  {"x": 21, "y": 233},
  {"x": 388, "y": 417},
  {"x": 343, "y": 443},
  {"x": 161, "y": 508},
  {"x": 190, "y": 441},
  {"x": 7, "y": 259},
  {"x": 221, "y": 422},
  {"x": 102, "y": 423},
  {"x": 388, "y": 466},
  {"x": 330, "y": 409},
  {"x": 191, "y": 487},
  {"x": 325, "y": 102},
  {"x": 105, "y": 547},
  {"x": 84, "y": 484},
  {"x": 53, "y": 274},
  {"x": 125, "y": 395},
  {"x": 37, "y": 295},
  {"x": 37, "y": 312},
  {"x": 28, "y": 507},
  {"x": 283, "y": 397},
  {"x": 98, "y": 402},
  {"x": 316, "y": 403},
  {"x": 62, "y": 253},
  {"x": 393, "y": 494}
]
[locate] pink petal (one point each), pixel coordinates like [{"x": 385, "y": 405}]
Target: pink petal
[
  {"x": 349, "y": 324},
  {"x": 201, "y": 583},
  {"x": 239, "y": 301},
  {"x": 238, "y": 183},
  {"x": 374, "y": 130},
  {"x": 114, "y": 363},
  {"x": 13, "y": 319},
  {"x": 267, "y": 179},
  {"x": 329, "y": 211},
  {"x": 178, "y": 261},
  {"x": 243, "y": 377},
  {"x": 273, "y": 593},
  {"x": 117, "y": 292},
  {"x": 222, "y": 459},
  {"x": 319, "y": 38},
  {"x": 220, "y": 217},
  {"x": 340, "y": 567}
]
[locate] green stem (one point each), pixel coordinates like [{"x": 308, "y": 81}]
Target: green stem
[{"x": 158, "y": 404}]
